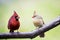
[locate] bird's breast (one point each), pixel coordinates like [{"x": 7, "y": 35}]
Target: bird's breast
[
  {"x": 37, "y": 22},
  {"x": 13, "y": 24}
]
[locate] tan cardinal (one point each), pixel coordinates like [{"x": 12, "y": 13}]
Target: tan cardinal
[{"x": 38, "y": 22}]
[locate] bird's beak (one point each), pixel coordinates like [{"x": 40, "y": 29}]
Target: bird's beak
[
  {"x": 32, "y": 16},
  {"x": 18, "y": 17}
]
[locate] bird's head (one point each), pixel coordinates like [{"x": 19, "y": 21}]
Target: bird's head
[
  {"x": 34, "y": 15},
  {"x": 16, "y": 16}
]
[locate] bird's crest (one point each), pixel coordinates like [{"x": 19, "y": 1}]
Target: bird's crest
[
  {"x": 15, "y": 14},
  {"x": 34, "y": 12}
]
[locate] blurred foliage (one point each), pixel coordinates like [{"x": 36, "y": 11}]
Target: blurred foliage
[{"x": 48, "y": 9}]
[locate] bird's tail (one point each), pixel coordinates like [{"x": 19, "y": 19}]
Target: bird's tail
[
  {"x": 42, "y": 35},
  {"x": 11, "y": 31}
]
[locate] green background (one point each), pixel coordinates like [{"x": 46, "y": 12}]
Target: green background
[{"x": 48, "y": 9}]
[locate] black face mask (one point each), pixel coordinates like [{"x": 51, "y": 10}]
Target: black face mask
[{"x": 16, "y": 17}]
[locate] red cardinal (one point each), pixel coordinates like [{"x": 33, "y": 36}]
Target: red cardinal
[
  {"x": 13, "y": 23},
  {"x": 38, "y": 22}
]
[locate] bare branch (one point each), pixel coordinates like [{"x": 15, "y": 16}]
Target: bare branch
[{"x": 32, "y": 34}]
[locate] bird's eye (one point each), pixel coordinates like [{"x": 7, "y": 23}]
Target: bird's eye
[
  {"x": 16, "y": 17},
  {"x": 33, "y": 16}
]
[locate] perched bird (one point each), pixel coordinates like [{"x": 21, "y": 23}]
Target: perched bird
[
  {"x": 38, "y": 22},
  {"x": 13, "y": 23}
]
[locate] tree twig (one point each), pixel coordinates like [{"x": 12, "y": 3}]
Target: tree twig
[{"x": 34, "y": 33}]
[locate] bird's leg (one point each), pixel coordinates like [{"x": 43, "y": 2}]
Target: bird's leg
[
  {"x": 37, "y": 27},
  {"x": 11, "y": 31}
]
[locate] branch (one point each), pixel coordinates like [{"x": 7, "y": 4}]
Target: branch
[{"x": 32, "y": 34}]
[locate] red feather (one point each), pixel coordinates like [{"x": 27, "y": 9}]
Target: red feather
[{"x": 13, "y": 23}]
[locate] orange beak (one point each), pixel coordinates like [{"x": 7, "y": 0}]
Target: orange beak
[
  {"x": 32, "y": 16},
  {"x": 18, "y": 17}
]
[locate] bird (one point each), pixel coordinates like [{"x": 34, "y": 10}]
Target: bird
[
  {"x": 14, "y": 23},
  {"x": 38, "y": 22}
]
